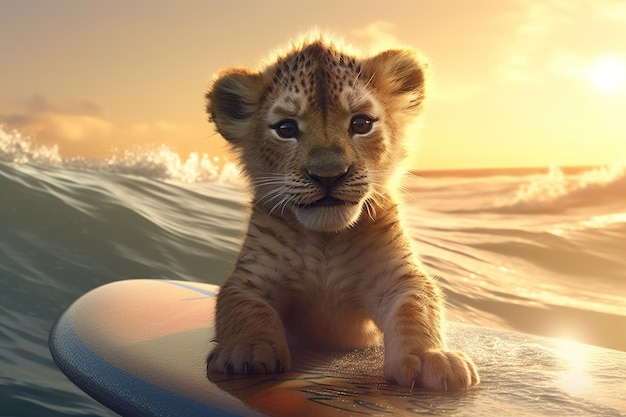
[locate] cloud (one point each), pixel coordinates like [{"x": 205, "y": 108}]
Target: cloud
[
  {"x": 72, "y": 128},
  {"x": 58, "y": 123},
  {"x": 611, "y": 10},
  {"x": 377, "y": 36},
  {"x": 515, "y": 68},
  {"x": 535, "y": 26},
  {"x": 532, "y": 24},
  {"x": 455, "y": 92},
  {"x": 39, "y": 104},
  {"x": 380, "y": 35},
  {"x": 82, "y": 128},
  {"x": 606, "y": 72},
  {"x": 569, "y": 64},
  {"x": 158, "y": 128}
]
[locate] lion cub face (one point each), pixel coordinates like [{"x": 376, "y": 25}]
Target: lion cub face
[{"x": 320, "y": 133}]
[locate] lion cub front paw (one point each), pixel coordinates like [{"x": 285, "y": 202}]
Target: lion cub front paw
[
  {"x": 248, "y": 358},
  {"x": 433, "y": 370}
]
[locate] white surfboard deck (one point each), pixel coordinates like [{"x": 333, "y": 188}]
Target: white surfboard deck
[{"x": 139, "y": 347}]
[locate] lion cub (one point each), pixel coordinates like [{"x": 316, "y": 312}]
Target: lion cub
[{"x": 326, "y": 262}]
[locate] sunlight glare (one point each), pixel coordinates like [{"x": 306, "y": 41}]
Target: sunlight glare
[
  {"x": 575, "y": 356},
  {"x": 608, "y": 75}
]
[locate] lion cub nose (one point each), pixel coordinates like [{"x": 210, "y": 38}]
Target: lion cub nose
[
  {"x": 327, "y": 166},
  {"x": 328, "y": 181}
]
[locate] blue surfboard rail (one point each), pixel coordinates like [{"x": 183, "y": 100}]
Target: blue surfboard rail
[{"x": 115, "y": 388}]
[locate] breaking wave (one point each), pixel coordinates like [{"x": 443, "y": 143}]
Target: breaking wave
[
  {"x": 154, "y": 162},
  {"x": 557, "y": 192}
]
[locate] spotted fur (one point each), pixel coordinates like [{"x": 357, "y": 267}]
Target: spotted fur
[{"x": 326, "y": 262}]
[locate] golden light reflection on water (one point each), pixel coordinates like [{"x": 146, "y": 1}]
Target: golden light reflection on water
[
  {"x": 594, "y": 223},
  {"x": 601, "y": 222},
  {"x": 575, "y": 356}
]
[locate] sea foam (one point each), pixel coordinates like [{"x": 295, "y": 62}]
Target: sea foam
[
  {"x": 154, "y": 162},
  {"x": 558, "y": 192}
]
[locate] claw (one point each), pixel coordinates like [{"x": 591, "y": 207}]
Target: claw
[
  {"x": 208, "y": 363},
  {"x": 279, "y": 366},
  {"x": 228, "y": 368}
]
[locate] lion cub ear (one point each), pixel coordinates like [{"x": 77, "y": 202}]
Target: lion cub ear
[
  {"x": 232, "y": 100},
  {"x": 399, "y": 74}
]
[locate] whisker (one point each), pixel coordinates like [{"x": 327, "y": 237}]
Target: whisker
[
  {"x": 371, "y": 210},
  {"x": 265, "y": 178},
  {"x": 275, "y": 206},
  {"x": 270, "y": 182},
  {"x": 282, "y": 204},
  {"x": 271, "y": 195},
  {"x": 285, "y": 202},
  {"x": 270, "y": 98},
  {"x": 398, "y": 176},
  {"x": 276, "y": 181},
  {"x": 362, "y": 87}
]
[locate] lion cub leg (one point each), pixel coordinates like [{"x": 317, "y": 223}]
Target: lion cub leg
[
  {"x": 249, "y": 334},
  {"x": 415, "y": 354}
]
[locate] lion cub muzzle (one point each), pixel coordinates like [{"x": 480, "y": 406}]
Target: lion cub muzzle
[{"x": 328, "y": 168}]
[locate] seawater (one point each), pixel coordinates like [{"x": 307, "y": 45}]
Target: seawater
[{"x": 538, "y": 251}]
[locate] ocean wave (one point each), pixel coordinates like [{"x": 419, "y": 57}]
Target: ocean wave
[
  {"x": 70, "y": 225},
  {"x": 161, "y": 162},
  {"x": 19, "y": 149},
  {"x": 153, "y": 162},
  {"x": 556, "y": 192},
  {"x": 65, "y": 231}
]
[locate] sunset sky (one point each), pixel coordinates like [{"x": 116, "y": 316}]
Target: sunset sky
[{"x": 515, "y": 83}]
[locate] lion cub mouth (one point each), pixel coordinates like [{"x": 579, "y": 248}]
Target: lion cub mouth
[
  {"x": 327, "y": 201},
  {"x": 328, "y": 214}
]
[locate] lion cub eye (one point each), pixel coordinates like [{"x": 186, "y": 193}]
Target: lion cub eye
[
  {"x": 286, "y": 129},
  {"x": 361, "y": 125}
]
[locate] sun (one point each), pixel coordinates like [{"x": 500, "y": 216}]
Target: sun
[{"x": 608, "y": 75}]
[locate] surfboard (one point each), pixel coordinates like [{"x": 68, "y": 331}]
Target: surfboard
[{"x": 139, "y": 347}]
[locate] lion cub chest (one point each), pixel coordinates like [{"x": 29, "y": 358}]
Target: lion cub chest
[{"x": 320, "y": 295}]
